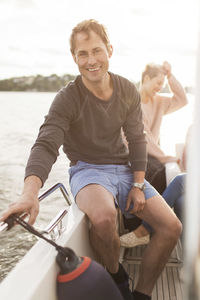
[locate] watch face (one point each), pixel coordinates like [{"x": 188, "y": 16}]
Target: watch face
[{"x": 140, "y": 186}]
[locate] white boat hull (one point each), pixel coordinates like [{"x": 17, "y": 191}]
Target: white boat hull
[{"x": 36, "y": 273}]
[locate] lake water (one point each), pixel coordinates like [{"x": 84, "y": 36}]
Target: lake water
[{"x": 21, "y": 115}]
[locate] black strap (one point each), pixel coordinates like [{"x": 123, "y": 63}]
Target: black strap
[{"x": 67, "y": 252}]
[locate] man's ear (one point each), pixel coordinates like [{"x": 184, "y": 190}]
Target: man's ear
[{"x": 110, "y": 51}]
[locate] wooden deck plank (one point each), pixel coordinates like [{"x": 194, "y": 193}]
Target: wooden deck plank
[
  {"x": 165, "y": 284},
  {"x": 172, "y": 290},
  {"x": 159, "y": 288},
  {"x": 179, "y": 287},
  {"x": 154, "y": 294},
  {"x": 168, "y": 285}
]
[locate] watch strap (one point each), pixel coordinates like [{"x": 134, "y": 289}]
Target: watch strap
[{"x": 138, "y": 185}]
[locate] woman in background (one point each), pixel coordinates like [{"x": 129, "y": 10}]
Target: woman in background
[{"x": 154, "y": 107}]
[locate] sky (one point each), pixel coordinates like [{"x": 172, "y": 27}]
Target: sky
[{"x": 35, "y": 35}]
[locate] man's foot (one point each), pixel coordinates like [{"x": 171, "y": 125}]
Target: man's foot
[
  {"x": 130, "y": 240},
  {"x": 123, "y": 283},
  {"x": 140, "y": 296},
  {"x": 125, "y": 290}
]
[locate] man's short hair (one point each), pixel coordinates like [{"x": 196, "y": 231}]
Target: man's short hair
[
  {"x": 153, "y": 70},
  {"x": 87, "y": 26}
]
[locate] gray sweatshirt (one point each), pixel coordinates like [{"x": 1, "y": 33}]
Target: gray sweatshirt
[{"x": 90, "y": 129}]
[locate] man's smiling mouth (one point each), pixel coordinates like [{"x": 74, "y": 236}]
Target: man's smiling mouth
[{"x": 93, "y": 69}]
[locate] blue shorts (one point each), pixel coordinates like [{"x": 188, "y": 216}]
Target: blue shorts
[{"x": 117, "y": 179}]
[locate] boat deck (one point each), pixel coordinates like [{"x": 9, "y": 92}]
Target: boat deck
[{"x": 169, "y": 285}]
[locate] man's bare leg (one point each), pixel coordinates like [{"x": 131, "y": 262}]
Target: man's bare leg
[
  {"x": 99, "y": 206},
  {"x": 167, "y": 229}
]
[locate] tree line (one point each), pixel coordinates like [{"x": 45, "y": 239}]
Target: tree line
[
  {"x": 51, "y": 83},
  {"x": 36, "y": 83}
]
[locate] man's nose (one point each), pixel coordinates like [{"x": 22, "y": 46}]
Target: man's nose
[{"x": 91, "y": 59}]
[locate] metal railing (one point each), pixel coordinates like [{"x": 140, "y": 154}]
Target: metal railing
[{"x": 55, "y": 227}]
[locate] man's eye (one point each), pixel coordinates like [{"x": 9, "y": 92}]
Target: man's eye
[{"x": 82, "y": 54}]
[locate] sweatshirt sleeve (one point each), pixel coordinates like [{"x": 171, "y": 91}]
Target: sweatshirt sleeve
[
  {"x": 135, "y": 135},
  {"x": 51, "y": 136},
  {"x": 178, "y": 98}
]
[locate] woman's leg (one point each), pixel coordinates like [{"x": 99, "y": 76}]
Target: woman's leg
[
  {"x": 173, "y": 195},
  {"x": 175, "y": 190},
  {"x": 178, "y": 207}
]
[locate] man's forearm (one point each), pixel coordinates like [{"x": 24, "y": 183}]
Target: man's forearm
[
  {"x": 138, "y": 176},
  {"x": 32, "y": 185}
]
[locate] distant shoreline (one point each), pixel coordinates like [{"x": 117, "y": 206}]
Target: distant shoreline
[
  {"x": 52, "y": 83},
  {"x": 36, "y": 83}
]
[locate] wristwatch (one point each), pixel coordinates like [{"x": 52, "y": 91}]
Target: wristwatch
[{"x": 140, "y": 186}]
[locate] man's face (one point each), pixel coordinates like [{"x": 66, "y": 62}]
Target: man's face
[{"x": 92, "y": 56}]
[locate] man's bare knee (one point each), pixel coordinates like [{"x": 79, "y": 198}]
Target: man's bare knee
[
  {"x": 176, "y": 228},
  {"x": 161, "y": 218},
  {"x": 105, "y": 224},
  {"x": 171, "y": 230},
  {"x": 107, "y": 218}
]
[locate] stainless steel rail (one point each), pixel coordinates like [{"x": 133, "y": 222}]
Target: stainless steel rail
[
  {"x": 4, "y": 226},
  {"x": 55, "y": 227}
]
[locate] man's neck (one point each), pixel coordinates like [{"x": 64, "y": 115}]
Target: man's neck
[{"x": 102, "y": 89}]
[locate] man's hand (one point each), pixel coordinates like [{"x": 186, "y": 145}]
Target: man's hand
[
  {"x": 28, "y": 202},
  {"x": 135, "y": 196}
]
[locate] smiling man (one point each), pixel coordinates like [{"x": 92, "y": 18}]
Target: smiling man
[{"x": 86, "y": 117}]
